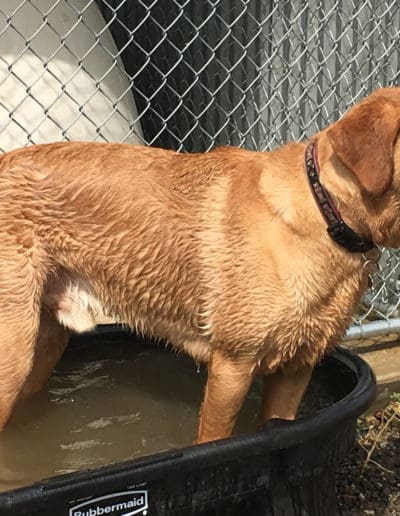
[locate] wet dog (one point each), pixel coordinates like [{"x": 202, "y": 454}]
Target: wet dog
[{"x": 225, "y": 254}]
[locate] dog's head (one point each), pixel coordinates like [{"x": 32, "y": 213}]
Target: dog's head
[
  {"x": 366, "y": 143},
  {"x": 366, "y": 140}
]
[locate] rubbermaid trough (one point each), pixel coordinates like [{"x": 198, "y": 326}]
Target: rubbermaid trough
[{"x": 287, "y": 468}]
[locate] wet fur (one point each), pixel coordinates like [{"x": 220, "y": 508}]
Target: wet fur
[{"x": 224, "y": 254}]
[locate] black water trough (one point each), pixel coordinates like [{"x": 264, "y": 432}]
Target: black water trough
[{"x": 288, "y": 468}]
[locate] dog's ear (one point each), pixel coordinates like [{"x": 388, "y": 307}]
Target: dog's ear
[{"x": 364, "y": 139}]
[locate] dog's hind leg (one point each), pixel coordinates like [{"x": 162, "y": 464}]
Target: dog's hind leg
[
  {"x": 227, "y": 385},
  {"x": 283, "y": 392},
  {"x": 50, "y": 345},
  {"x": 21, "y": 285},
  {"x": 18, "y": 331}
]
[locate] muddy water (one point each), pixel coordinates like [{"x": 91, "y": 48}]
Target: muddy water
[{"x": 108, "y": 400}]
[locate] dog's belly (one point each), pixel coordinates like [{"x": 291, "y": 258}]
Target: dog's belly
[{"x": 72, "y": 300}]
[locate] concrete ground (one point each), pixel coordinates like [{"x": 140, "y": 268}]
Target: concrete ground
[{"x": 383, "y": 355}]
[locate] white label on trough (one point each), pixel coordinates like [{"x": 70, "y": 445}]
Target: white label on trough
[{"x": 125, "y": 503}]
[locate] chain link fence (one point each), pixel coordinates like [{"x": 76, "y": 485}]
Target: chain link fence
[{"x": 189, "y": 75}]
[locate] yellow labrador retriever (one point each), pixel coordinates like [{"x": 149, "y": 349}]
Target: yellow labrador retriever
[{"x": 249, "y": 261}]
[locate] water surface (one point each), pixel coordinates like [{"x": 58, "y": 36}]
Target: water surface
[{"x": 109, "y": 400}]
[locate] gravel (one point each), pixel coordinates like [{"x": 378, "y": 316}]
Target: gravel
[{"x": 368, "y": 482}]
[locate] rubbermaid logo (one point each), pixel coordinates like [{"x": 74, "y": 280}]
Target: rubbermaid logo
[{"x": 125, "y": 503}]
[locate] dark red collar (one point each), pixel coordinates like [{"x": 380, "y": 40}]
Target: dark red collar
[{"x": 338, "y": 230}]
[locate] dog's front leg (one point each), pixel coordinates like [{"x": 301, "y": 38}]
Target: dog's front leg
[
  {"x": 227, "y": 385},
  {"x": 283, "y": 392}
]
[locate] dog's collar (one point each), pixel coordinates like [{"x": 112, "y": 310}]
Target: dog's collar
[{"x": 337, "y": 229}]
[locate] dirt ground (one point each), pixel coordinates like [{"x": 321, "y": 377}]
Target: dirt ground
[{"x": 368, "y": 482}]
